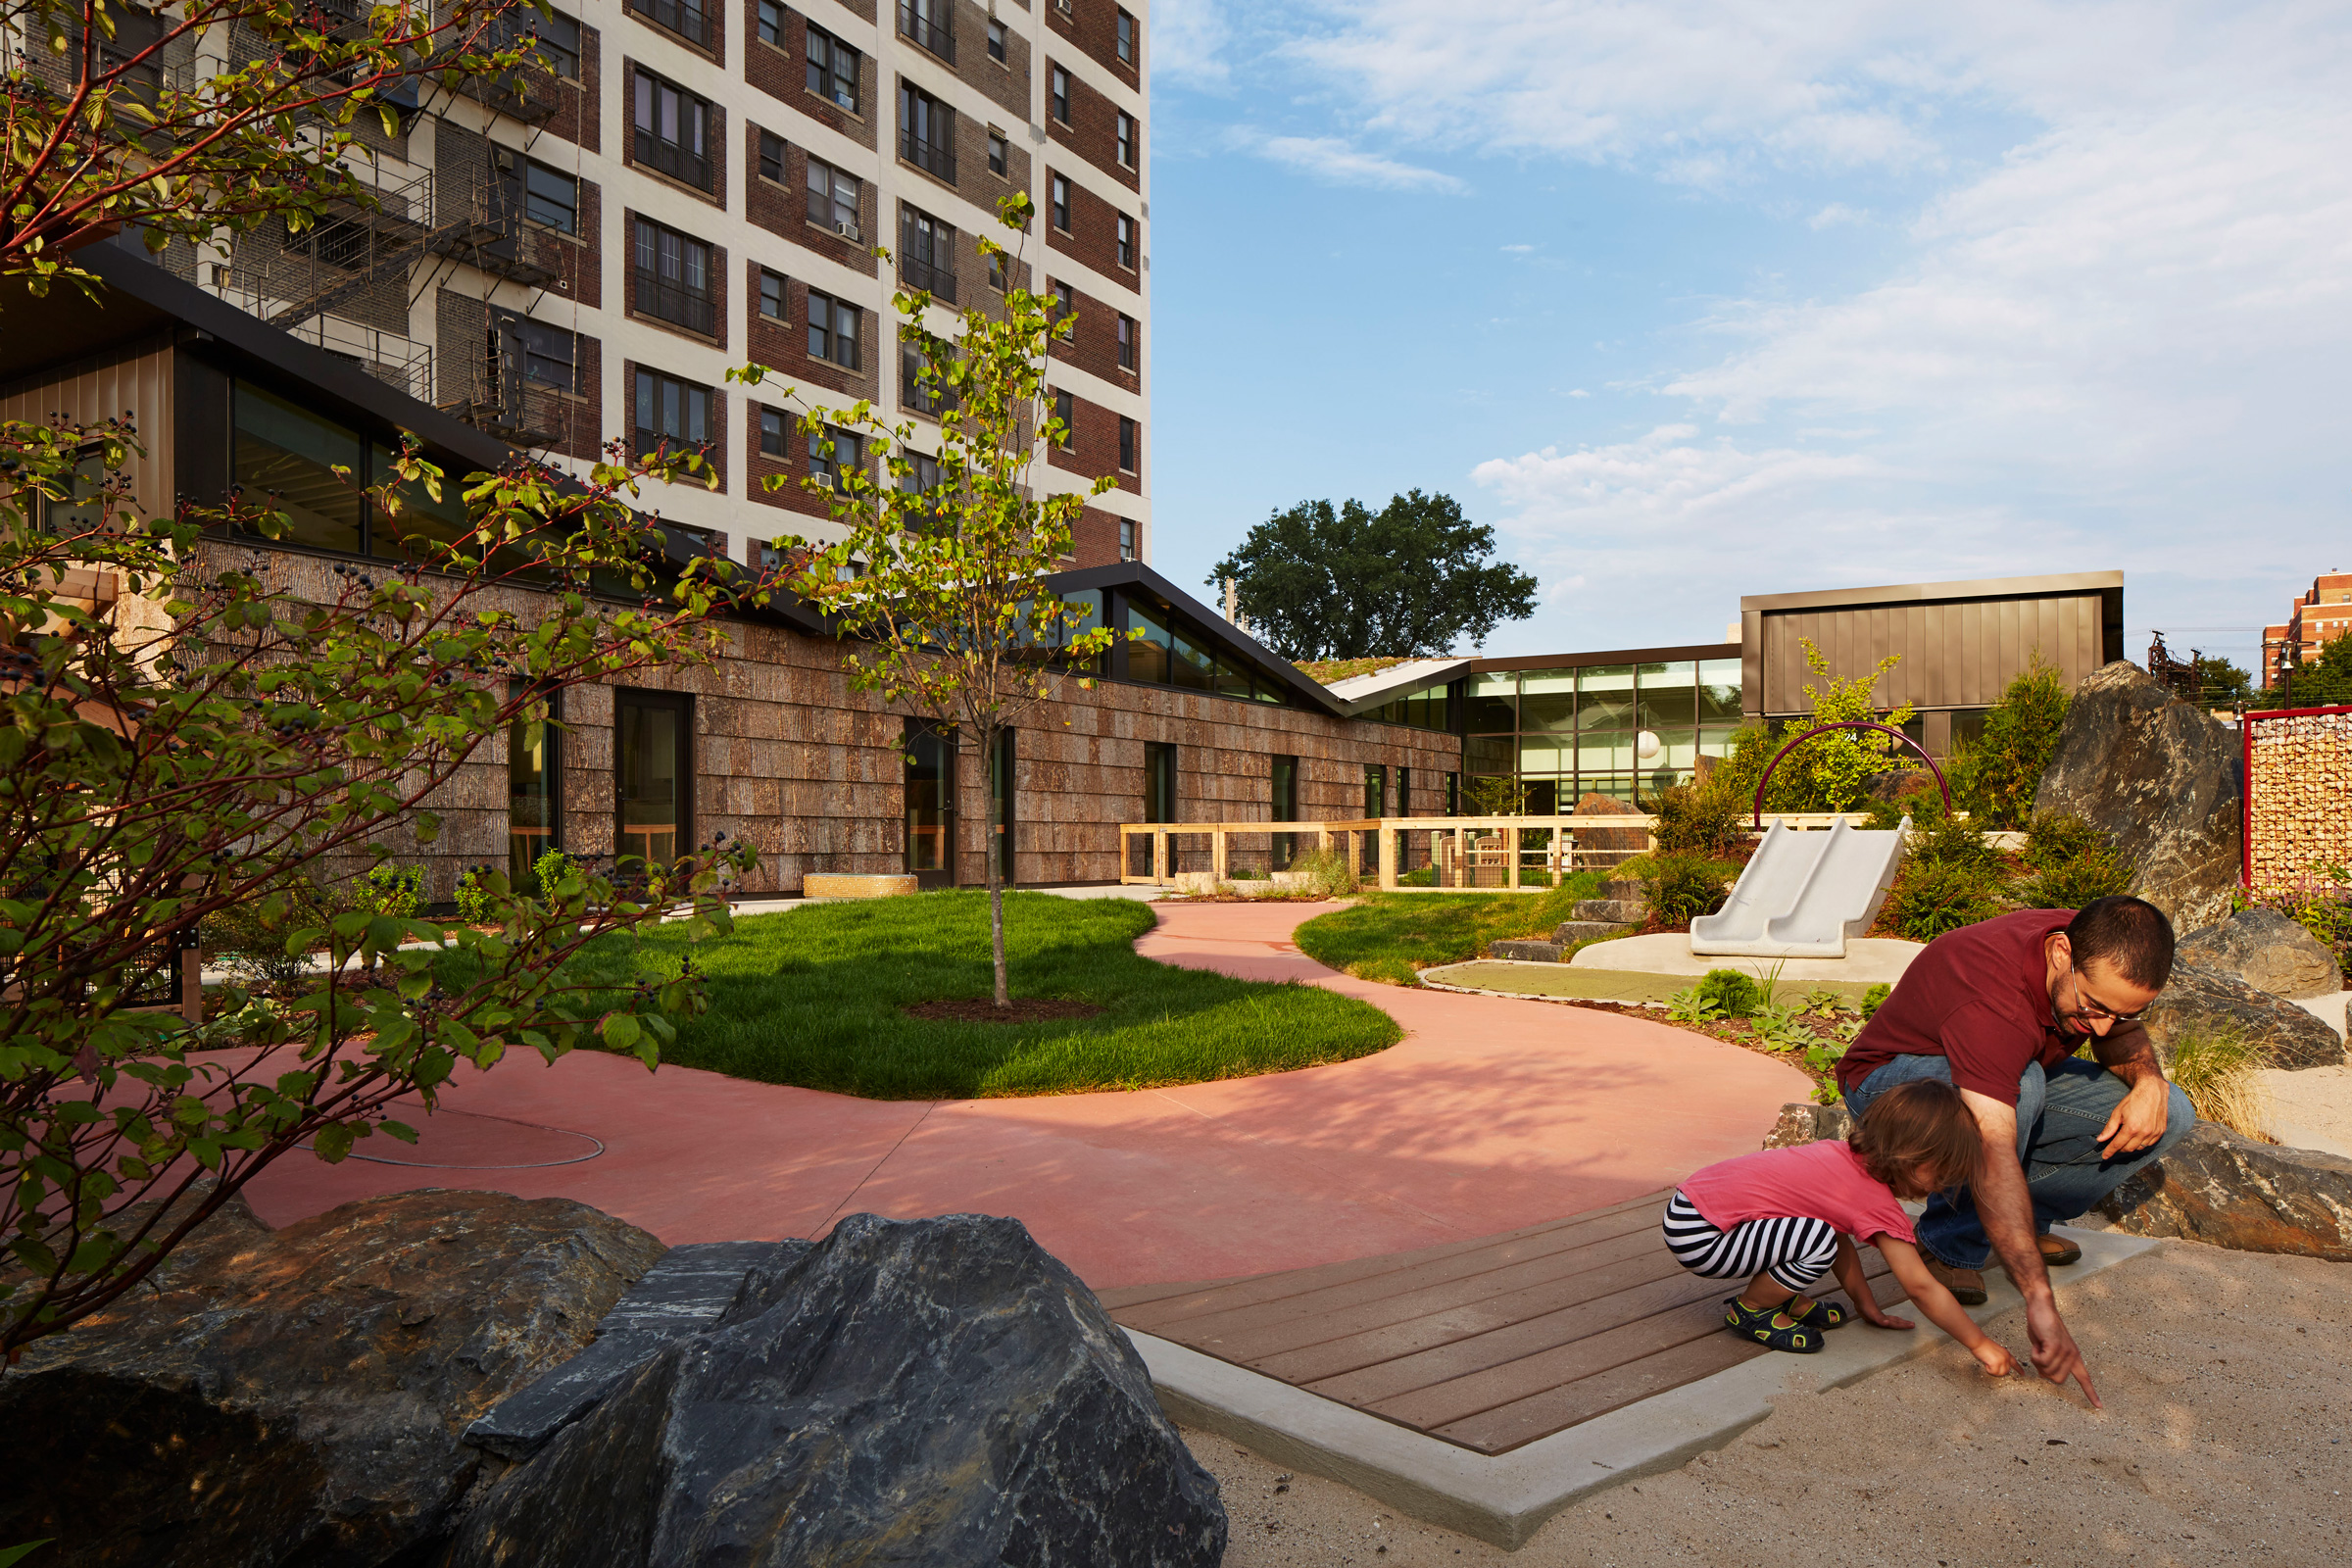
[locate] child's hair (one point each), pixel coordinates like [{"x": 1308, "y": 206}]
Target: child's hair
[{"x": 1920, "y": 1124}]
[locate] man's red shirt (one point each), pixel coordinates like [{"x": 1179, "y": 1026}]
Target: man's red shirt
[{"x": 1980, "y": 996}]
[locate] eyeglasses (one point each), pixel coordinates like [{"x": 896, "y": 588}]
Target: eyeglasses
[{"x": 2085, "y": 1006}]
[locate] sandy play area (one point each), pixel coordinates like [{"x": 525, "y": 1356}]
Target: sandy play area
[{"x": 2227, "y": 1436}]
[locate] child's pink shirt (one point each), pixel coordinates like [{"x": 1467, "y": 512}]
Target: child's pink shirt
[{"x": 1821, "y": 1181}]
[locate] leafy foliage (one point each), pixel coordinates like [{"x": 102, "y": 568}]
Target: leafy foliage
[
  {"x": 1730, "y": 993},
  {"x": 1500, "y": 795},
  {"x": 476, "y": 902},
  {"x": 2053, "y": 838},
  {"x": 2324, "y": 682},
  {"x": 208, "y": 745},
  {"x": 2216, "y": 1069},
  {"x": 1993, "y": 777},
  {"x": 1831, "y": 772},
  {"x": 1930, "y": 898},
  {"x": 1953, "y": 843},
  {"x": 1412, "y": 579},
  {"x": 1683, "y": 886},
  {"x": 395, "y": 890},
  {"x": 1705, "y": 818},
  {"x": 2097, "y": 872},
  {"x": 1326, "y": 872},
  {"x": 1875, "y": 996}
]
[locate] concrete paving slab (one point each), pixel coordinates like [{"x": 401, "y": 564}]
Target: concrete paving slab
[
  {"x": 1504, "y": 1499},
  {"x": 1868, "y": 960}
]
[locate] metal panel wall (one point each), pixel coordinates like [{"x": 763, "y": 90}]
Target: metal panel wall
[
  {"x": 139, "y": 387},
  {"x": 1954, "y": 653}
]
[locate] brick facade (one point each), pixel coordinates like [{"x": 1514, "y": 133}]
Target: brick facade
[
  {"x": 1092, "y": 130},
  {"x": 1093, "y": 235},
  {"x": 576, "y": 118},
  {"x": 781, "y": 71},
  {"x": 1092, "y": 26},
  {"x": 714, "y": 138},
  {"x": 1092, "y": 345},
  {"x": 1093, "y": 446},
  {"x": 712, "y": 45}
]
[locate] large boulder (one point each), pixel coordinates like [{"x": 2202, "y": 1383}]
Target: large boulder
[
  {"x": 2161, "y": 779},
  {"x": 927, "y": 1392},
  {"x": 2217, "y": 1187},
  {"x": 1620, "y": 840},
  {"x": 295, "y": 1396},
  {"x": 2268, "y": 951},
  {"x": 2201, "y": 1001}
]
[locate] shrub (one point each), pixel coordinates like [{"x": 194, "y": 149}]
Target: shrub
[
  {"x": 249, "y": 937},
  {"x": 552, "y": 867},
  {"x": 2097, "y": 872},
  {"x": 1950, "y": 844},
  {"x": 1921, "y": 801},
  {"x": 474, "y": 900},
  {"x": 1703, "y": 819},
  {"x": 1928, "y": 900},
  {"x": 1729, "y": 994},
  {"x": 2054, "y": 838},
  {"x": 2216, "y": 1069},
  {"x": 1325, "y": 872},
  {"x": 1994, "y": 778},
  {"x": 1683, "y": 886},
  {"x": 394, "y": 890},
  {"x": 1875, "y": 996}
]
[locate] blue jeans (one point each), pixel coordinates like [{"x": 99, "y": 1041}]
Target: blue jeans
[{"x": 2059, "y": 1116}]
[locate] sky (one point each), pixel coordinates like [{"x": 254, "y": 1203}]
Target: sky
[{"x": 1697, "y": 298}]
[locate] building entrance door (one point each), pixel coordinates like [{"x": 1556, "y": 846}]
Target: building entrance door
[
  {"x": 930, "y": 803},
  {"x": 653, "y": 780}
]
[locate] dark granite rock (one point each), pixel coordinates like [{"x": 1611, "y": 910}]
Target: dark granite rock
[
  {"x": 2268, "y": 951},
  {"x": 1525, "y": 951},
  {"x": 1804, "y": 1123},
  {"x": 2229, "y": 1191},
  {"x": 296, "y": 1397},
  {"x": 2161, "y": 779},
  {"x": 1568, "y": 933},
  {"x": 1622, "y": 840},
  {"x": 1612, "y": 911},
  {"x": 2207, "y": 1000},
  {"x": 926, "y": 1391}
]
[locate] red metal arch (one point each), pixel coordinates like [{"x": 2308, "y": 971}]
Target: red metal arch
[{"x": 1757, "y": 818}]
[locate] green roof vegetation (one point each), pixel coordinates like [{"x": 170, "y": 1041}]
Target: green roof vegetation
[{"x": 1327, "y": 670}]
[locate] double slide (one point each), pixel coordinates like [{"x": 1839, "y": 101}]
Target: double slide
[{"x": 1804, "y": 894}]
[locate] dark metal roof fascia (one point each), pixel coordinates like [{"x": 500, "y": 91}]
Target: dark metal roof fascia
[
  {"x": 2079, "y": 582},
  {"x": 1607, "y": 656},
  {"x": 1136, "y": 575}
]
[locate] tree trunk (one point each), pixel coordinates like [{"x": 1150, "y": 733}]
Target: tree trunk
[{"x": 993, "y": 853}]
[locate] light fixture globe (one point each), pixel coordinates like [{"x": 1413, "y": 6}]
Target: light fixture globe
[{"x": 1647, "y": 744}]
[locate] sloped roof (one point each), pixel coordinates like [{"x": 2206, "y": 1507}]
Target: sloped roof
[{"x": 1360, "y": 692}]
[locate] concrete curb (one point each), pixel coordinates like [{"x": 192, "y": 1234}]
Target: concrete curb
[{"x": 1504, "y": 1499}]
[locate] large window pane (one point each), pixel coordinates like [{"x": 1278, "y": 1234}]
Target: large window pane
[
  {"x": 1493, "y": 705},
  {"x": 1147, "y": 656},
  {"x": 1548, "y": 704},
  {"x": 1192, "y": 664},
  {"x": 1492, "y": 753},
  {"x": 531, "y": 775},
  {"x": 293, "y": 453},
  {"x": 423, "y": 523},
  {"x": 1546, "y": 754},
  {"x": 1606, "y": 693},
  {"x": 1670, "y": 707},
  {"x": 1719, "y": 691}
]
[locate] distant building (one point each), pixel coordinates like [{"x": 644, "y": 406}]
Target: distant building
[{"x": 2317, "y": 617}]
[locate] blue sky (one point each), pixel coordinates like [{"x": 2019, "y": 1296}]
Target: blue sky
[{"x": 1697, "y": 298}]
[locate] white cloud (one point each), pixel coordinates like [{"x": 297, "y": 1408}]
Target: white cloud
[
  {"x": 1336, "y": 162},
  {"x": 1518, "y": 249},
  {"x": 1579, "y": 392},
  {"x": 1836, "y": 215},
  {"x": 1188, "y": 39}
]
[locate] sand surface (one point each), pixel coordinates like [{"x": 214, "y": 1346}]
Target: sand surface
[
  {"x": 2227, "y": 1436},
  {"x": 2310, "y": 1108}
]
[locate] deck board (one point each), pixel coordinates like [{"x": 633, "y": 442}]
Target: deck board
[{"x": 1487, "y": 1343}]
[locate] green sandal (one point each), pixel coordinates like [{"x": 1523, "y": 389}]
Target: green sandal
[
  {"x": 1825, "y": 1315},
  {"x": 1752, "y": 1324}
]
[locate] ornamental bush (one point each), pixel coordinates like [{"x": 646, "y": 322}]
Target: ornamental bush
[
  {"x": 1729, "y": 994},
  {"x": 1994, "y": 776},
  {"x": 1930, "y": 898}
]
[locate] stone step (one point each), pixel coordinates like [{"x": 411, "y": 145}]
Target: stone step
[
  {"x": 1568, "y": 933},
  {"x": 1525, "y": 951},
  {"x": 1614, "y": 911},
  {"x": 1626, "y": 890}
]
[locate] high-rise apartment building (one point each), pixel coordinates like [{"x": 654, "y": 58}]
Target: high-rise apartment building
[
  {"x": 2312, "y": 621},
  {"x": 695, "y": 185}
]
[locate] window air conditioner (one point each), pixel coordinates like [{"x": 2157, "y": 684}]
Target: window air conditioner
[{"x": 848, "y": 231}]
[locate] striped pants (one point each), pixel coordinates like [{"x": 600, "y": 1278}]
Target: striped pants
[{"x": 1793, "y": 1250}]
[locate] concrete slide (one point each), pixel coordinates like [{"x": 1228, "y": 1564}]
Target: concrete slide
[{"x": 1804, "y": 894}]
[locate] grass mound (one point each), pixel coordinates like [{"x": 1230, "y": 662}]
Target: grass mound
[
  {"x": 1390, "y": 937},
  {"x": 815, "y": 997}
]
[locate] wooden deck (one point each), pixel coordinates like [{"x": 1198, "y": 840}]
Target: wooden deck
[{"x": 1486, "y": 1343}]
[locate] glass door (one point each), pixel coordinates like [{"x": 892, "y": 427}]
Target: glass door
[
  {"x": 653, "y": 781},
  {"x": 930, "y": 803}
]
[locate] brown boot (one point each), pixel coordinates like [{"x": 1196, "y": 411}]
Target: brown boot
[
  {"x": 2057, "y": 1252},
  {"x": 1967, "y": 1285}
]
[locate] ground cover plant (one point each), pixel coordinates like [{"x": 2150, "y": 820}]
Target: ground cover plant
[
  {"x": 1812, "y": 1031},
  {"x": 1951, "y": 877},
  {"x": 1391, "y": 937},
  {"x": 816, "y": 997}
]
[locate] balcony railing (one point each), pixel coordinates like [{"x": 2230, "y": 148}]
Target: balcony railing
[
  {"x": 673, "y": 160},
  {"x": 939, "y": 281},
  {"x": 669, "y": 302},
  {"x": 931, "y": 34},
  {"x": 687, "y": 22},
  {"x": 934, "y": 157}
]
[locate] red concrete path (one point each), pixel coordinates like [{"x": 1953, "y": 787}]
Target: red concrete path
[{"x": 1490, "y": 1114}]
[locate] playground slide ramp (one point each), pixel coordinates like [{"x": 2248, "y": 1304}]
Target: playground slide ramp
[{"x": 1804, "y": 894}]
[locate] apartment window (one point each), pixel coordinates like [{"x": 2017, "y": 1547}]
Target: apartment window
[
  {"x": 1127, "y": 539},
  {"x": 771, "y": 23},
  {"x": 920, "y": 478},
  {"x": 996, "y": 41},
  {"x": 669, "y": 123},
  {"x": 1065, "y": 408},
  {"x": 1130, "y": 437},
  {"x": 1127, "y": 343},
  {"x": 915, "y": 391},
  {"x": 772, "y": 294},
  {"x": 832, "y": 69},
  {"x": 550, "y": 354},
  {"x": 832, "y": 199},
  {"x": 1126, "y": 243},
  {"x": 996, "y": 270},
  {"x": 926, "y": 132},
  {"x": 1125, "y": 33},
  {"x": 680, "y": 17},
  {"x": 833, "y": 453},
  {"x": 771, "y": 431},
  {"x": 1123, "y": 139},
  {"x": 927, "y": 253},
  {"x": 928, "y": 23},
  {"x": 673, "y": 277},
  {"x": 1059, "y": 197},
  {"x": 996, "y": 151},
  {"x": 551, "y": 197},
  {"x": 1065, "y": 305},
  {"x": 532, "y": 792},
  {"x": 670, "y": 409},
  {"x": 771, "y": 156},
  {"x": 832, "y": 330},
  {"x": 559, "y": 40},
  {"x": 1058, "y": 95}
]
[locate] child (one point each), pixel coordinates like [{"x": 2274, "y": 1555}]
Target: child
[{"x": 1785, "y": 1215}]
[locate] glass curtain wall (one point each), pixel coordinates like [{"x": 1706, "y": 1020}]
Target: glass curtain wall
[{"x": 1566, "y": 733}]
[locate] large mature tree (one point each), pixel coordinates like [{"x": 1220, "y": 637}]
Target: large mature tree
[
  {"x": 2324, "y": 682},
  {"x": 113, "y": 121},
  {"x": 181, "y": 734},
  {"x": 940, "y": 571},
  {"x": 1412, "y": 579}
]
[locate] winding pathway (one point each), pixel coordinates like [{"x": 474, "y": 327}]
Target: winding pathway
[{"x": 1488, "y": 1115}]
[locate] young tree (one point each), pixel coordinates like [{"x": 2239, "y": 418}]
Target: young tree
[
  {"x": 944, "y": 582},
  {"x": 108, "y": 125},
  {"x": 2324, "y": 683},
  {"x": 180, "y": 736},
  {"x": 1994, "y": 776},
  {"x": 1830, "y": 772},
  {"x": 1413, "y": 578}
]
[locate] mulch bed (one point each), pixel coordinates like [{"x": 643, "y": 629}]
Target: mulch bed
[{"x": 980, "y": 1009}]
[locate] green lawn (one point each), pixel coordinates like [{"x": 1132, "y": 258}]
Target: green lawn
[
  {"x": 1391, "y": 935},
  {"x": 812, "y": 997}
]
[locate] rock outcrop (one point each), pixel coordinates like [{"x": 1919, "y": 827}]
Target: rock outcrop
[
  {"x": 295, "y": 1396},
  {"x": 1623, "y": 901},
  {"x": 2268, "y": 951},
  {"x": 2160, "y": 778},
  {"x": 936, "y": 1392},
  {"x": 2198, "y": 1000},
  {"x": 2230, "y": 1191},
  {"x": 1804, "y": 1123}
]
